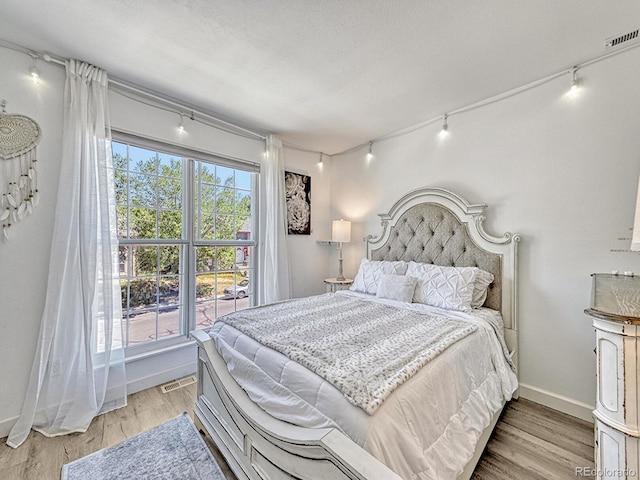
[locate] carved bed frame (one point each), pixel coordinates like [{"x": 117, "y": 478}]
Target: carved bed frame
[{"x": 429, "y": 225}]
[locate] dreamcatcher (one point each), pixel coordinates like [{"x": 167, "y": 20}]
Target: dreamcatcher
[{"x": 19, "y": 136}]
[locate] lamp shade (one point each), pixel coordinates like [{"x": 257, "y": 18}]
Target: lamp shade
[
  {"x": 341, "y": 231},
  {"x": 635, "y": 240}
]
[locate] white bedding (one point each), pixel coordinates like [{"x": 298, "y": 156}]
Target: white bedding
[{"x": 426, "y": 429}]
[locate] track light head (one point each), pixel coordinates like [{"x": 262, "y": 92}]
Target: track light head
[
  {"x": 444, "y": 131},
  {"x": 575, "y": 82},
  {"x": 33, "y": 70},
  {"x": 35, "y": 73},
  {"x": 370, "y": 152}
]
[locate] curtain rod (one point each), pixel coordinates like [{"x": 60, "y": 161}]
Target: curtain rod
[{"x": 146, "y": 93}]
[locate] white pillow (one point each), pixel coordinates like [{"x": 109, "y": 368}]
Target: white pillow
[
  {"x": 370, "y": 271},
  {"x": 397, "y": 287},
  {"x": 445, "y": 287},
  {"x": 483, "y": 280}
]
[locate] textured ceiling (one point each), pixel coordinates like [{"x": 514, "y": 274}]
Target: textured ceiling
[{"x": 326, "y": 74}]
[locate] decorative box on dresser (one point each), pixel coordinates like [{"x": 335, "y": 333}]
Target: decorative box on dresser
[{"x": 615, "y": 312}]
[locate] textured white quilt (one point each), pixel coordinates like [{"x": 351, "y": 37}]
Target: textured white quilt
[{"x": 365, "y": 349}]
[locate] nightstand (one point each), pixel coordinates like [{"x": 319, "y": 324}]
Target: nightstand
[
  {"x": 333, "y": 284},
  {"x": 615, "y": 314}
]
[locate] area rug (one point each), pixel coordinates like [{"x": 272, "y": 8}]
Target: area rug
[{"x": 173, "y": 450}]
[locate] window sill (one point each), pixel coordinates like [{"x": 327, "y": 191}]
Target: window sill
[{"x": 169, "y": 346}]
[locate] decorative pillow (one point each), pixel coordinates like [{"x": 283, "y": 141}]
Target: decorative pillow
[
  {"x": 397, "y": 287},
  {"x": 370, "y": 271},
  {"x": 445, "y": 287},
  {"x": 483, "y": 280}
]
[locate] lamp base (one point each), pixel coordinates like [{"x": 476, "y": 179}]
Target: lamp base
[{"x": 340, "y": 276}]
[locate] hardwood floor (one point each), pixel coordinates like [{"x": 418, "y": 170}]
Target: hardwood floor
[
  {"x": 531, "y": 442},
  {"x": 534, "y": 442},
  {"x": 42, "y": 458}
]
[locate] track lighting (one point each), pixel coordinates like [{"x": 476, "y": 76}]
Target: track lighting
[
  {"x": 181, "y": 125},
  {"x": 575, "y": 83},
  {"x": 444, "y": 131},
  {"x": 33, "y": 70},
  {"x": 320, "y": 162},
  {"x": 370, "y": 153}
]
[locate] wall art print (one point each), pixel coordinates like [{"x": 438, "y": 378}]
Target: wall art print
[{"x": 298, "y": 200}]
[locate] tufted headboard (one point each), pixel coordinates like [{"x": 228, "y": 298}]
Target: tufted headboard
[{"x": 433, "y": 225}]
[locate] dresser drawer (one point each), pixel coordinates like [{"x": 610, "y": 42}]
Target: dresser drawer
[
  {"x": 617, "y": 376},
  {"x": 616, "y": 454}
]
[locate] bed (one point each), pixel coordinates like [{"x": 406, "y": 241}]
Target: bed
[{"x": 276, "y": 418}]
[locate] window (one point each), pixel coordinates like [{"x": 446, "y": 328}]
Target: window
[{"x": 186, "y": 233}]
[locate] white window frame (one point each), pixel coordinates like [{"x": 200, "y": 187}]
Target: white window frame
[{"x": 189, "y": 242}]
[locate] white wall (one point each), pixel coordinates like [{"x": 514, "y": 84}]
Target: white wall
[
  {"x": 24, "y": 260},
  {"x": 309, "y": 260},
  {"x": 562, "y": 173}
]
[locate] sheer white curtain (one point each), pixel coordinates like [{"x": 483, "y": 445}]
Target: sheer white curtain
[
  {"x": 274, "y": 278},
  {"x": 78, "y": 369}
]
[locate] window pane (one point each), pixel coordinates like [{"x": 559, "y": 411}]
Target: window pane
[
  {"x": 225, "y": 258},
  {"x": 169, "y": 307},
  {"x": 170, "y": 193},
  {"x": 243, "y": 180},
  {"x": 144, "y": 261},
  {"x": 205, "y": 257},
  {"x": 206, "y": 226},
  {"x": 207, "y": 197},
  {"x": 121, "y": 216},
  {"x": 243, "y": 227},
  {"x": 170, "y": 166},
  {"x": 142, "y": 326},
  {"x": 225, "y": 176},
  {"x": 122, "y": 187},
  {"x": 225, "y": 227},
  {"x": 119, "y": 152},
  {"x": 151, "y": 292},
  {"x": 124, "y": 253},
  {"x": 143, "y": 160},
  {"x": 170, "y": 260},
  {"x": 225, "y": 200},
  {"x": 206, "y": 173},
  {"x": 142, "y": 223},
  {"x": 222, "y": 282},
  {"x": 170, "y": 224},
  {"x": 142, "y": 190},
  {"x": 169, "y": 291}
]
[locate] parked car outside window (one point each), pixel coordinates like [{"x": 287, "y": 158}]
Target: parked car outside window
[{"x": 239, "y": 290}]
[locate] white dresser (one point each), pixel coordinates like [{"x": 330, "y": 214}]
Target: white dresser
[{"x": 615, "y": 312}]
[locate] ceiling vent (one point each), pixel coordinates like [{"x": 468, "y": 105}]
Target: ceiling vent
[{"x": 615, "y": 41}]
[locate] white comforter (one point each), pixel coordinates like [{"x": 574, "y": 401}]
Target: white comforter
[{"x": 426, "y": 429}]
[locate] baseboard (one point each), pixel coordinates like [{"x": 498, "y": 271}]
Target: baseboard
[
  {"x": 143, "y": 373},
  {"x": 557, "y": 402},
  {"x": 6, "y": 426}
]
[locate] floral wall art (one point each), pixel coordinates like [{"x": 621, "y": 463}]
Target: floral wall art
[{"x": 298, "y": 199}]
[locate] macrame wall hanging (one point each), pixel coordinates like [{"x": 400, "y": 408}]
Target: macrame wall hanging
[{"x": 19, "y": 136}]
